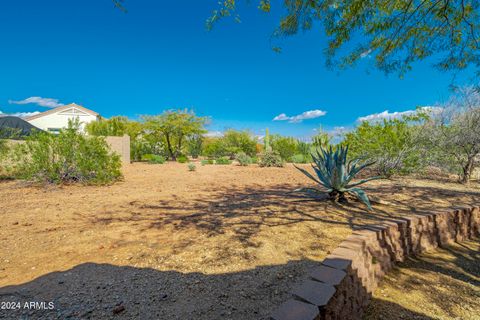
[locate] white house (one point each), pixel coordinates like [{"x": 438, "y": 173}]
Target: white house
[{"x": 55, "y": 119}]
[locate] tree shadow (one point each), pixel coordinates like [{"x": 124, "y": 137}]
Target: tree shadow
[
  {"x": 241, "y": 211},
  {"x": 446, "y": 279},
  {"x": 387, "y": 310},
  {"x": 98, "y": 291},
  {"x": 105, "y": 291}
]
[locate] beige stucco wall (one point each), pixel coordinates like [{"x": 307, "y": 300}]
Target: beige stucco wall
[{"x": 120, "y": 145}]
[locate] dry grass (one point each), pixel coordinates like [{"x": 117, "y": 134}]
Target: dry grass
[
  {"x": 443, "y": 284},
  {"x": 220, "y": 222}
]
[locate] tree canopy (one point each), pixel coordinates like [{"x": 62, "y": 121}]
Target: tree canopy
[
  {"x": 175, "y": 127},
  {"x": 396, "y": 33}
]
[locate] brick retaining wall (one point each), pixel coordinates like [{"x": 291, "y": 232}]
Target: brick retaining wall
[{"x": 342, "y": 286}]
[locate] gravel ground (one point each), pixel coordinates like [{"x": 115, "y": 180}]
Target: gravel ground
[
  {"x": 442, "y": 284},
  {"x": 166, "y": 243}
]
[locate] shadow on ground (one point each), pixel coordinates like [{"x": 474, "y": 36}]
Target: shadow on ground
[
  {"x": 443, "y": 284},
  {"x": 242, "y": 211},
  {"x": 104, "y": 291}
]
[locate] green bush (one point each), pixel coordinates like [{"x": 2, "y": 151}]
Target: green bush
[
  {"x": 182, "y": 159},
  {"x": 243, "y": 159},
  {"x": 270, "y": 159},
  {"x": 299, "y": 158},
  {"x": 194, "y": 145},
  {"x": 192, "y": 167},
  {"x": 153, "y": 158},
  {"x": 223, "y": 160},
  {"x": 207, "y": 161},
  {"x": 391, "y": 144},
  {"x": 68, "y": 157},
  {"x": 286, "y": 147}
]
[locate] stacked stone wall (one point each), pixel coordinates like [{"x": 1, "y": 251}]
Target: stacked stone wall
[{"x": 342, "y": 286}]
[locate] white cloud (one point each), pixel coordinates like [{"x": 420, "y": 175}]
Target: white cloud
[
  {"x": 311, "y": 114},
  {"x": 339, "y": 131},
  {"x": 43, "y": 102},
  {"x": 19, "y": 114},
  {"x": 214, "y": 134},
  {"x": 395, "y": 115},
  {"x": 366, "y": 54}
]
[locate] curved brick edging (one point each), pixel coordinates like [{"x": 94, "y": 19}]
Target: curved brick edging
[{"x": 341, "y": 287}]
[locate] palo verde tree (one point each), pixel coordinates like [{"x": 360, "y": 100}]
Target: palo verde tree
[
  {"x": 173, "y": 128},
  {"x": 392, "y": 144},
  {"x": 396, "y": 33}
]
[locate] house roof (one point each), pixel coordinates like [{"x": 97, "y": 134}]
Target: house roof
[{"x": 65, "y": 107}]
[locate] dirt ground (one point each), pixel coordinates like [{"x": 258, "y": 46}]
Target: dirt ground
[
  {"x": 166, "y": 243},
  {"x": 442, "y": 284}
]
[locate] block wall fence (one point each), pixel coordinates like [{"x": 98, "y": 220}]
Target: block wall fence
[
  {"x": 342, "y": 286},
  {"x": 120, "y": 145}
]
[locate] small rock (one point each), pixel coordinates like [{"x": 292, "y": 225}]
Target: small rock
[{"x": 118, "y": 309}]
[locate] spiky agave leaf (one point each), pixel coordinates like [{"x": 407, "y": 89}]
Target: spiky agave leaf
[
  {"x": 335, "y": 173},
  {"x": 360, "y": 194}
]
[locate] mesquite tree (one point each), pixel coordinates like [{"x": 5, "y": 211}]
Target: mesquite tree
[{"x": 454, "y": 131}]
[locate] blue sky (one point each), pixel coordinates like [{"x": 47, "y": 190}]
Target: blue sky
[{"x": 159, "y": 56}]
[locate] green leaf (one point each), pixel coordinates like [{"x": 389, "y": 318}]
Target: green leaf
[{"x": 360, "y": 194}]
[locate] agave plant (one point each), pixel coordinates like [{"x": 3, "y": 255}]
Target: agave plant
[{"x": 335, "y": 174}]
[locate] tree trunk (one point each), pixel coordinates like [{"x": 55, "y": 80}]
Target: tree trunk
[
  {"x": 468, "y": 170},
  {"x": 179, "y": 146},
  {"x": 173, "y": 157}
]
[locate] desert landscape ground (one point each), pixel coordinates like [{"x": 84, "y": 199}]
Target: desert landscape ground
[
  {"x": 223, "y": 241},
  {"x": 442, "y": 284}
]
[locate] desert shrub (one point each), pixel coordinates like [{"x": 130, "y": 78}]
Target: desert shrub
[
  {"x": 243, "y": 159},
  {"x": 182, "y": 159},
  {"x": 270, "y": 159},
  {"x": 4, "y": 163},
  {"x": 303, "y": 148},
  {"x": 140, "y": 147},
  {"x": 119, "y": 126},
  {"x": 67, "y": 158},
  {"x": 223, "y": 160},
  {"x": 335, "y": 174},
  {"x": 207, "y": 161},
  {"x": 213, "y": 147},
  {"x": 115, "y": 126},
  {"x": 194, "y": 145},
  {"x": 153, "y": 158},
  {"x": 322, "y": 139},
  {"x": 286, "y": 147},
  {"x": 299, "y": 158},
  {"x": 192, "y": 167},
  {"x": 231, "y": 143},
  {"x": 392, "y": 144},
  {"x": 239, "y": 141}
]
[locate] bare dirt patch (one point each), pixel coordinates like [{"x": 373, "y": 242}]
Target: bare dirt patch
[
  {"x": 167, "y": 243},
  {"x": 442, "y": 284}
]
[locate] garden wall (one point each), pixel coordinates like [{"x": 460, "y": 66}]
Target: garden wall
[
  {"x": 120, "y": 145},
  {"x": 342, "y": 286}
]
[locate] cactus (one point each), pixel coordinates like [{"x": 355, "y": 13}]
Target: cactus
[{"x": 267, "y": 141}]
